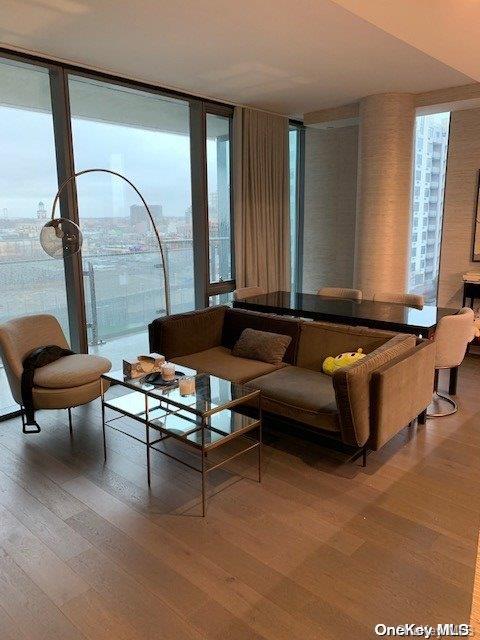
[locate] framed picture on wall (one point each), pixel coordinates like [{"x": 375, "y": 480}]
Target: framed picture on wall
[{"x": 476, "y": 226}]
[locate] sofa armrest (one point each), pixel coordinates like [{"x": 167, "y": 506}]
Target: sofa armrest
[
  {"x": 400, "y": 391},
  {"x": 352, "y": 388},
  {"x": 185, "y": 333}
]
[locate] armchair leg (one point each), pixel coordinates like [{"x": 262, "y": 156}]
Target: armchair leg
[{"x": 70, "y": 425}]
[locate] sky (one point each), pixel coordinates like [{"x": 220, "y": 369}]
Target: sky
[{"x": 157, "y": 163}]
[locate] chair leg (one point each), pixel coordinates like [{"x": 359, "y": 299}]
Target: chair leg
[
  {"x": 364, "y": 456},
  {"x": 70, "y": 425},
  {"x": 452, "y": 387}
]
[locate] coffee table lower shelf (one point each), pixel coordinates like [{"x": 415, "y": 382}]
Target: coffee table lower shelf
[{"x": 200, "y": 433}]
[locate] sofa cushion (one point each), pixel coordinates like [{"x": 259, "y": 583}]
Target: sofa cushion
[
  {"x": 236, "y": 320},
  {"x": 261, "y": 345},
  {"x": 318, "y": 340},
  {"x": 71, "y": 371},
  {"x": 184, "y": 333},
  {"x": 220, "y": 362},
  {"x": 301, "y": 395}
]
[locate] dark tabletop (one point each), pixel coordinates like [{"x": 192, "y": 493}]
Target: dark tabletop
[{"x": 380, "y": 315}]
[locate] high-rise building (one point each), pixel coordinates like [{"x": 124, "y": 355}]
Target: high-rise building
[{"x": 431, "y": 145}]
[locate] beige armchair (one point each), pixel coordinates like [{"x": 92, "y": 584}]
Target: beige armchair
[
  {"x": 68, "y": 382},
  {"x": 340, "y": 292},
  {"x": 451, "y": 339}
]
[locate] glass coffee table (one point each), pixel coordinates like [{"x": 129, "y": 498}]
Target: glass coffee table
[{"x": 204, "y": 420}]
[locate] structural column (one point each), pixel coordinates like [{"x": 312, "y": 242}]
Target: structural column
[{"x": 382, "y": 235}]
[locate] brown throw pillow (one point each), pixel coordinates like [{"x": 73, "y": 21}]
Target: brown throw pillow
[{"x": 261, "y": 345}]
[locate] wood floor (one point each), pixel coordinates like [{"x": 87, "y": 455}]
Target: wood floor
[{"x": 321, "y": 549}]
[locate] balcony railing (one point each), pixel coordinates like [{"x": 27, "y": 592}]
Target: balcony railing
[{"x": 123, "y": 290}]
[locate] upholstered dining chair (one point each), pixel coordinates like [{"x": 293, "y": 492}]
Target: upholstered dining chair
[
  {"x": 408, "y": 299},
  {"x": 68, "y": 382},
  {"x": 340, "y": 292},
  {"x": 452, "y": 336},
  {"x": 248, "y": 292}
]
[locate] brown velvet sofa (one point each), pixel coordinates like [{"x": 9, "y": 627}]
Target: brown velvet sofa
[{"x": 363, "y": 405}]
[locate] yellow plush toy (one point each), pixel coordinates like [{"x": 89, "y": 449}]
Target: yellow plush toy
[{"x": 331, "y": 364}]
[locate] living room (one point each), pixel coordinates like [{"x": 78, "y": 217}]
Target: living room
[{"x": 239, "y": 319}]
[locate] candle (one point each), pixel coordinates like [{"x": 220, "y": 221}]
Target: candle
[
  {"x": 186, "y": 386},
  {"x": 168, "y": 371}
]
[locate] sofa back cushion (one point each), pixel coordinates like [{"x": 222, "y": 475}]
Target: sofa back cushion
[
  {"x": 318, "y": 340},
  {"x": 186, "y": 333},
  {"x": 236, "y": 320}
]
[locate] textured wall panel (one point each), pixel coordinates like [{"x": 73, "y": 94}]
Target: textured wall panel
[
  {"x": 383, "y": 192},
  {"x": 330, "y": 194},
  {"x": 460, "y": 200}
]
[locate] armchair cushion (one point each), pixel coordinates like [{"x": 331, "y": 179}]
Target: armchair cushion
[{"x": 71, "y": 371}]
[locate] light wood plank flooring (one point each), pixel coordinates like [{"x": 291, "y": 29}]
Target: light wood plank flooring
[{"x": 322, "y": 549}]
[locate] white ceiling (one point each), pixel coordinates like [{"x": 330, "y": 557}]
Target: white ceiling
[{"x": 284, "y": 56}]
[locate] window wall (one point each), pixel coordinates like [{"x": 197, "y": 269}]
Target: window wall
[
  {"x": 296, "y": 140},
  {"x": 428, "y": 186},
  {"x": 219, "y": 197},
  {"x": 56, "y": 120},
  {"x": 30, "y": 281},
  {"x": 145, "y": 137}
]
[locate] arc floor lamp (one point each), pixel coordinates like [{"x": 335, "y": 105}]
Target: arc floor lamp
[{"x": 61, "y": 237}]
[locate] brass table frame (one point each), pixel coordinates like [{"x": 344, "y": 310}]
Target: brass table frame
[{"x": 172, "y": 407}]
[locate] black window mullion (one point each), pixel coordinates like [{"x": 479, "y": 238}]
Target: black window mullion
[
  {"x": 68, "y": 206},
  {"x": 198, "y": 159}
]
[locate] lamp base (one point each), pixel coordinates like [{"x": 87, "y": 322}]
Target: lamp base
[{"x": 441, "y": 406}]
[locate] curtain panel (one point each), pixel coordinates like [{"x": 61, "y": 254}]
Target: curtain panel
[{"x": 261, "y": 200}]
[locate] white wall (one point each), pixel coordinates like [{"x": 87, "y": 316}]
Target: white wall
[{"x": 330, "y": 207}]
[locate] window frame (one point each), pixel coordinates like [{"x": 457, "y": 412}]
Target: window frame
[
  {"x": 297, "y": 265},
  {"x": 65, "y": 165},
  {"x": 216, "y": 287}
]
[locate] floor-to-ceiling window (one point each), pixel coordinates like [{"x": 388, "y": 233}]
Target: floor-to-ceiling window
[
  {"x": 30, "y": 281},
  {"x": 295, "y": 178},
  {"x": 57, "y": 120},
  {"x": 146, "y": 137},
  {"x": 428, "y": 185},
  {"x": 220, "y": 231}
]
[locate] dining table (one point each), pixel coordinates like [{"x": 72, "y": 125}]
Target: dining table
[{"x": 392, "y": 316}]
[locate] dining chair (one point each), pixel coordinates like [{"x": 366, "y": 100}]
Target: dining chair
[
  {"x": 68, "y": 382},
  {"x": 408, "y": 299},
  {"x": 340, "y": 292},
  {"x": 452, "y": 336},
  {"x": 248, "y": 292}
]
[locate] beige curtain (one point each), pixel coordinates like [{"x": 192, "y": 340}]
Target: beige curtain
[{"x": 261, "y": 208}]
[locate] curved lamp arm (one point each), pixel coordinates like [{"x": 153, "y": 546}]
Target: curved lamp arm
[{"x": 160, "y": 246}]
